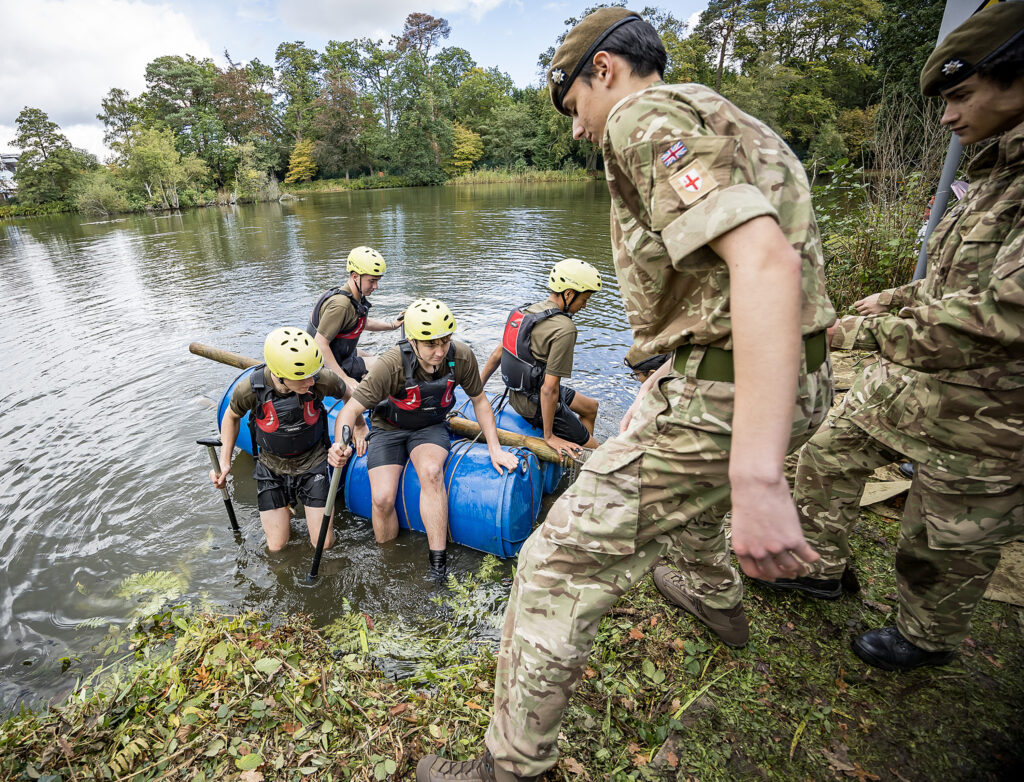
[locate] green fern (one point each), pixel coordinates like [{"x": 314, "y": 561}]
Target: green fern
[{"x": 153, "y": 590}]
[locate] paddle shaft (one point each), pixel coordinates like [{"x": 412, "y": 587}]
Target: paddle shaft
[
  {"x": 224, "y": 492},
  {"x": 321, "y": 540}
]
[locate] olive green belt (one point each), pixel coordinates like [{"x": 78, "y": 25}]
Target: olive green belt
[{"x": 716, "y": 363}]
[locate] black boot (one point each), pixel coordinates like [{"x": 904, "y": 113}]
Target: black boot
[
  {"x": 886, "y": 648},
  {"x": 818, "y": 588},
  {"x": 439, "y": 564}
]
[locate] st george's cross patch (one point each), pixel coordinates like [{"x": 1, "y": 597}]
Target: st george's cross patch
[
  {"x": 673, "y": 153},
  {"x": 693, "y": 182}
]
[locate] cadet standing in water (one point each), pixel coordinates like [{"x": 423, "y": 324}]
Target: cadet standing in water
[
  {"x": 718, "y": 260},
  {"x": 411, "y": 390},
  {"x": 288, "y": 427},
  {"x": 340, "y": 316},
  {"x": 536, "y": 354},
  {"x": 948, "y": 390}
]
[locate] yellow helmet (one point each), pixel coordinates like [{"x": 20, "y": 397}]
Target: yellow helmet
[
  {"x": 572, "y": 274},
  {"x": 428, "y": 319},
  {"x": 292, "y": 354},
  {"x": 366, "y": 260}
]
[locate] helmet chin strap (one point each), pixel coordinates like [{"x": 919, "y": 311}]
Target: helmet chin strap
[
  {"x": 359, "y": 287},
  {"x": 565, "y": 304}
]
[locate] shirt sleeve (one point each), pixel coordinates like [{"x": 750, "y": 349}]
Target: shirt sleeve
[
  {"x": 243, "y": 399},
  {"x": 468, "y": 373},
  {"x": 338, "y": 316},
  {"x": 379, "y": 381},
  {"x": 903, "y": 296},
  {"x": 678, "y": 178},
  {"x": 329, "y": 384},
  {"x": 560, "y": 353},
  {"x": 961, "y": 331}
]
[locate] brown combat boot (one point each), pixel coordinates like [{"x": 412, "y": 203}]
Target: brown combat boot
[
  {"x": 433, "y": 768},
  {"x": 729, "y": 624}
]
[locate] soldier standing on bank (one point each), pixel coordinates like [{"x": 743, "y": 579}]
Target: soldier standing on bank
[
  {"x": 948, "y": 390},
  {"x": 719, "y": 261}
]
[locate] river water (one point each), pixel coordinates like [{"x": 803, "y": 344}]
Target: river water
[{"x": 105, "y": 508}]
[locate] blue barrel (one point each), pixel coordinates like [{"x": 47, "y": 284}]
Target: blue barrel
[
  {"x": 486, "y": 511},
  {"x": 509, "y": 420}
]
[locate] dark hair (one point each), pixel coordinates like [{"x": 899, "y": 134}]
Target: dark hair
[
  {"x": 637, "y": 43},
  {"x": 1006, "y": 67}
]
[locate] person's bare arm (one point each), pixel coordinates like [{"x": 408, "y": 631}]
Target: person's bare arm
[
  {"x": 764, "y": 281},
  {"x": 492, "y": 363}
]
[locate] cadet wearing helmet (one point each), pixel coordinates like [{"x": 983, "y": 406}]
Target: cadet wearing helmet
[
  {"x": 948, "y": 389},
  {"x": 536, "y": 352},
  {"x": 288, "y": 423},
  {"x": 340, "y": 316},
  {"x": 718, "y": 260},
  {"x": 411, "y": 389}
]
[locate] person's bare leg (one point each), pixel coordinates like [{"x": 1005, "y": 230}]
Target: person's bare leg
[
  {"x": 586, "y": 408},
  {"x": 428, "y": 459},
  {"x": 276, "y": 527},
  {"x": 314, "y": 518},
  {"x": 383, "y": 490}
]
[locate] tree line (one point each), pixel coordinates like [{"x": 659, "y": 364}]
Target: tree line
[{"x": 411, "y": 111}]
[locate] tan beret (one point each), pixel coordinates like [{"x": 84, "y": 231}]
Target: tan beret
[
  {"x": 983, "y": 36},
  {"x": 580, "y": 45}
]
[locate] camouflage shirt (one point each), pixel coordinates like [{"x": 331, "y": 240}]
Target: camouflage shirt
[
  {"x": 684, "y": 167},
  {"x": 956, "y": 401}
]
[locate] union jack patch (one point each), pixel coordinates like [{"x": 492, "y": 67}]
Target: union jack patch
[{"x": 673, "y": 154}]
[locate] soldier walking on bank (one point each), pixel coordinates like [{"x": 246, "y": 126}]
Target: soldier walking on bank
[
  {"x": 719, "y": 261},
  {"x": 948, "y": 390}
]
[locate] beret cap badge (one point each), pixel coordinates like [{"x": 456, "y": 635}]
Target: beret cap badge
[
  {"x": 557, "y": 75},
  {"x": 952, "y": 67}
]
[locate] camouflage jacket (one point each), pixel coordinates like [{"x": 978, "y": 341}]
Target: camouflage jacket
[
  {"x": 956, "y": 399},
  {"x": 684, "y": 167}
]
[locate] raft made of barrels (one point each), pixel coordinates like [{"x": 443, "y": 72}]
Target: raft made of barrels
[{"x": 486, "y": 511}]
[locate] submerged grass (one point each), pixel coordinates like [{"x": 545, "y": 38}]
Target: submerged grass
[{"x": 198, "y": 696}]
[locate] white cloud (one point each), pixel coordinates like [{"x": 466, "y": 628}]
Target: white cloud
[
  {"x": 342, "y": 20},
  {"x": 63, "y": 56}
]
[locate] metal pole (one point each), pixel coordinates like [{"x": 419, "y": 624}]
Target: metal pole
[
  {"x": 211, "y": 445},
  {"x": 957, "y": 12}
]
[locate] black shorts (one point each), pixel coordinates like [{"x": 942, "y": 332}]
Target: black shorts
[
  {"x": 274, "y": 490},
  {"x": 354, "y": 366},
  {"x": 567, "y": 424},
  {"x": 393, "y": 446}
]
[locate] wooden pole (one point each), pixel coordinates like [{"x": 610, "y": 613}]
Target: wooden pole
[{"x": 462, "y": 426}]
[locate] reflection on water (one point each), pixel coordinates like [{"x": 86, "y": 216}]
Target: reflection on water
[{"x": 101, "y": 404}]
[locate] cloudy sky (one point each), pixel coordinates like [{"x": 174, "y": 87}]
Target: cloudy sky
[{"x": 63, "y": 56}]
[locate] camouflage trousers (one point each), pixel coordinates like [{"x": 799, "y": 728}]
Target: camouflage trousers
[
  {"x": 950, "y": 534},
  {"x": 659, "y": 489}
]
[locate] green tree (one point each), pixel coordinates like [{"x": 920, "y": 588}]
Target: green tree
[
  {"x": 421, "y": 32},
  {"x": 48, "y": 167},
  {"x": 120, "y": 112},
  {"x": 301, "y": 167},
  {"x": 478, "y": 94},
  {"x": 153, "y": 164},
  {"x": 299, "y": 71},
  {"x": 180, "y": 97},
  {"x": 467, "y": 149},
  {"x": 344, "y": 127}
]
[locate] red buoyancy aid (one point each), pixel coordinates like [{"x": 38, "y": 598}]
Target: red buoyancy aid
[
  {"x": 286, "y": 426},
  {"x": 343, "y": 344},
  {"x": 423, "y": 402},
  {"x": 520, "y": 370}
]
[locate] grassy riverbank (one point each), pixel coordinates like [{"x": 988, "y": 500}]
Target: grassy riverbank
[{"x": 207, "y": 697}]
